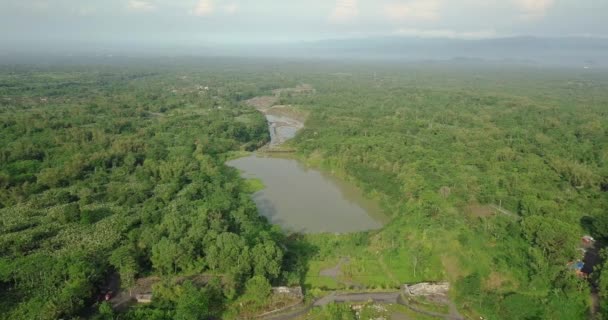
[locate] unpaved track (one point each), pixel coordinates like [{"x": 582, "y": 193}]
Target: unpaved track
[
  {"x": 450, "y": 316},
  {"x": 336, "y": 271},
  {"x": 377, "y": 297}
]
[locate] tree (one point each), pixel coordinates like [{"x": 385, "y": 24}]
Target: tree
[
  {"x": 105, "y": 311},
  {"x": 124, "y": 260},
  {"x": 257, "y": 289},
  {"x": 192, "y": 304},
  {"x": 165, "y": 255},
  {"x": 555, "y": 238},
  {"x": 229, "y": 254},
  {"x": 267, "y": 259}
]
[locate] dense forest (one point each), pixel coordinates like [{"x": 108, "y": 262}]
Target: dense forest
[
  {"x": 490, "y": 176},
  {"x": 109, "y": 171}
]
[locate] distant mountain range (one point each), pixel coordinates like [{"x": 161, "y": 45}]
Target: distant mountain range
[
  {"x": 559, "y": 51},
  {"x": 566, "y": 51}
]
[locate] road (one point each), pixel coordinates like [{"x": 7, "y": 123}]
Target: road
[{"x": 395, "y": 297}]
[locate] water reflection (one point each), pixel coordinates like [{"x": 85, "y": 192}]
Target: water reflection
[{"x": 306, "y": 200}]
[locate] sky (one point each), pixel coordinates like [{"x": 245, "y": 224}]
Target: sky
[{"x": 191, "y": 22}]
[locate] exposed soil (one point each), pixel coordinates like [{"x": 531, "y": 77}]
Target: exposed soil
[
  {"x": 282, "y": 128},
  {"x": 494, "y": 281},
  {"x": 262, "y": 102},
  {"x": 451, "y": 266},
  {"x": 125, "y": 298},
  {"x": 299, "y": 89},
  {"x": 377, "y": 297},
  {"x": 399, "y": 316},
  {"x": 336, "y": 271},
  {"x": 478, "y": 211}
]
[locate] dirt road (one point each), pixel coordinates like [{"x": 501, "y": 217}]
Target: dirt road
[{"x": 394, "y": 297}]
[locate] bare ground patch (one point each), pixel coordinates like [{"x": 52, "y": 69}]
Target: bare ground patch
[
  {"x": 263, "y": 102},
  {"x": 495, "y": 281},
  {"x": 287, "y": 111},
  {"x": 479, "y": 211},
  {"x": 299, "y": 89},
  {"x": 451, "y": 266},
  {"x": 335, "y": 271}
]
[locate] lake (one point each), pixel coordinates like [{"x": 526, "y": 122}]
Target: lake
[{"x": 306, "y": 200}]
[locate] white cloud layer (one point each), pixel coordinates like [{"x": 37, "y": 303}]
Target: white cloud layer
[
  {"x": 141, "y": 5},
  {"x": 243, "y": 20},
  {"x": 344, "y": 11},
  {"x": 231, "y": 8},
  {"x": 416, "y": 10},
  {"x": 204, "y": 8},
  {"x": 534, "y": 8}
]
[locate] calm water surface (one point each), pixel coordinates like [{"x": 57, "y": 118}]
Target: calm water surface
[{"x": 306, "y": 200}]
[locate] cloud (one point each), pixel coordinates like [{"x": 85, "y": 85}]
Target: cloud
[
  {"x": 37, "y": 5},
  {"x": 204, "y": 8},
  {"x": 84, "y": 11},
  {"x": 534, "y": 8},
  {"x": 447, "y": 33},
  {"x": 141, "y": 5},
  {"x": 344, "y": 11},
  {"x": 231, "y": 8},
  {"x": 413, "y": 10}
]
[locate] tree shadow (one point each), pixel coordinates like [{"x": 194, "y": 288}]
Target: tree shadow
[
  {"x": 298, "y": 249},
  {"x": 592, "y": 258},
  {"x": 587, "y": 223},
  {"x": 296, "y": 262}
]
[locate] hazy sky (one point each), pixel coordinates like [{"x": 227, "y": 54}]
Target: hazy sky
[{"x": 190, "y": 22}]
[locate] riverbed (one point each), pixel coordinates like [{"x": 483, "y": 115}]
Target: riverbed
[
  {"x": 296, "y": 197},
  {"x": 282, "y": 128}
]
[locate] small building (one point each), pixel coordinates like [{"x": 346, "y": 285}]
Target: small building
[
  {"x": 577, "y": 267},
  {"x": 588, "y": 239},
  {"x": 143, "y": 298}
]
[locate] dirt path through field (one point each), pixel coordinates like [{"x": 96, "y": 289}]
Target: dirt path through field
[
  {"x": 395, "y": 297},
  {"x": 387, "y": 270},
  {"x": 336, "y": 271}
]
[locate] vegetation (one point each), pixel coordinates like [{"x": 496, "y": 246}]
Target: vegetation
[
  {"x": 121, "y": 171},
  {"x": 490, "y": 176}
]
